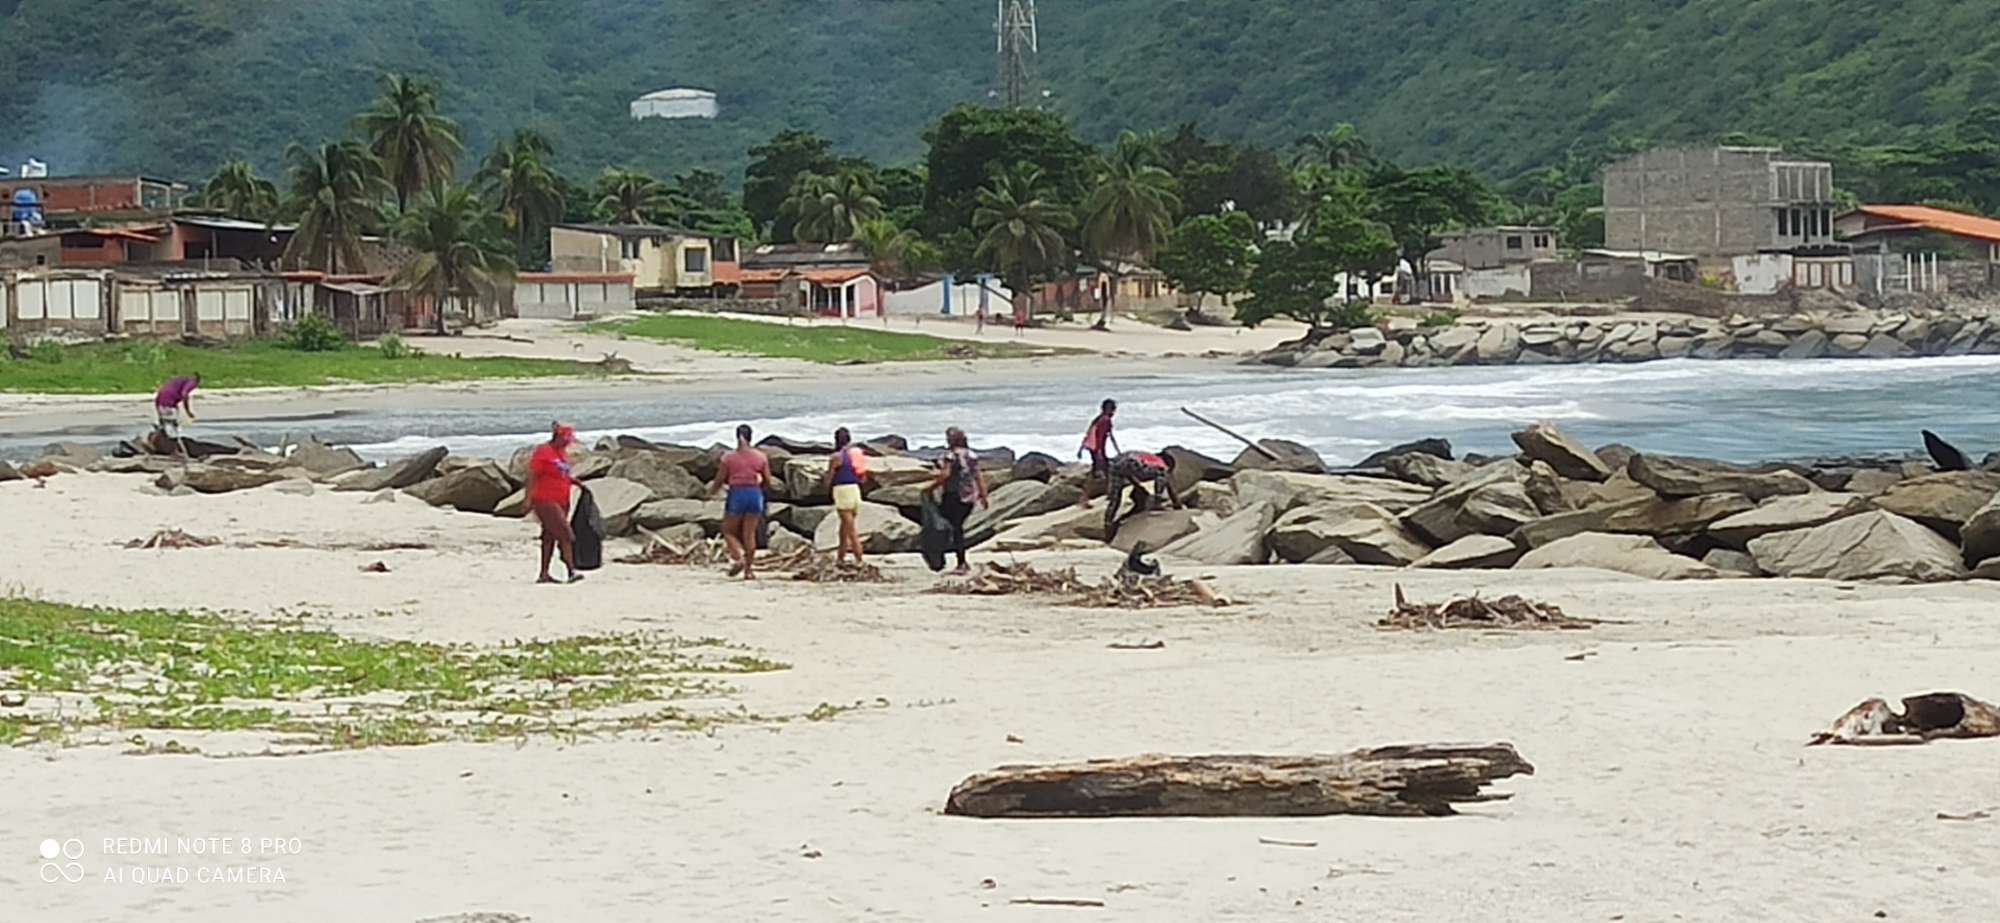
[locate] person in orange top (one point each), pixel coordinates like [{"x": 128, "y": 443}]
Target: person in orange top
[{"x": 549, "y": 483}]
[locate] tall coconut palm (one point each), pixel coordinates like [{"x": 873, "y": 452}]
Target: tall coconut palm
[
  {"x": 458, "y": 246},
  {"x": 628, "y": 196},
  {"x": 518, "y": 182},
  {"x": 418, "y": 147},
  {"x": 237, "y": 191},
  {"x": 831, "y": 208},
  {"x": 1341, "y": 147},
  {"x": 889, "y": 247},
  {"x": 1020, "y": 231},
  {"x": 335, "y": 195},
  {"x": 1129, "y": 213}
]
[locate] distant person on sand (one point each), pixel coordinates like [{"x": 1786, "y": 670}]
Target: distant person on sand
[
  {"x": 958, "y": 488},
  {"x": 1138, "y": 471},
  {"x": 549, "y": 483},
  {"x": 172, "y": 400},
  {"x": 846, "y": 471},
  {"x": 746, "y": 473},
  {"x": 1099, "y": 443}
]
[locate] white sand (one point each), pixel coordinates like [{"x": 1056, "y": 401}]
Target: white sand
[{"x": 1670, "y": 785}]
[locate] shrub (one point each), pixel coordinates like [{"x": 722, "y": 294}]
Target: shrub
[
  {"x": 1349, "y": 315},
  {"x": 48, "y": 351},
  {"x": 393, "y": 347},
  {"x": 146, "y": 352},
  {"x": 1443, "y": 318},
  {"x": 314, "y": 334}
]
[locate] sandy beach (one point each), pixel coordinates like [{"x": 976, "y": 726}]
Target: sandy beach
[{"x": 1670, "y": 778}]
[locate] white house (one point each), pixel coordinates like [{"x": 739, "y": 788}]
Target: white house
[
  {"x": 675, "y": 103},
  {"x": 568, "y": 295}
]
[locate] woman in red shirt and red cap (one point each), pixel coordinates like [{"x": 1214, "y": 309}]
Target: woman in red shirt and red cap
[{"x": 549, "y": 483}]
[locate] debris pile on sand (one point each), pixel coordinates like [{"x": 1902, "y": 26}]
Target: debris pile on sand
[
  {"x": 173, "y": 538},
  {"x": 1475, "y": 612},
  {"x": 802, "y": 563},
  {"x": 1125, "y": 591},
  {"x": 1924, "y": 718}
]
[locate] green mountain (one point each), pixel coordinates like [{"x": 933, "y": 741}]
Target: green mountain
[{"x": 177, "y": 86}]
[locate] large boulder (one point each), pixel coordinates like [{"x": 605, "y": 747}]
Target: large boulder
[
  {"x": 1239, "y": 539},
  {"x": 1159, "y": 528},
  {"x": 1499, "y": 345},
  {"x": 80, "y": 456},
  {"x": 8, "y": 472},
  {"x": 883, "y": 530},
  {"x": 324, "y": 460},
  {"x": 1784, "y": 514},
  {"x": 1732, "y": 563},
  {"x": 1442, "y": 518},
  {"x": 659, "y": 475},
  {"x": 802, "y": 519},
  {"x": 1346, "y": 533},
  {"x": 1638, "y": 555},
  {"x": 1579, "y": 495},
  {"x": 1192, "y": 467},
  {"x": 1425, "y": 469},
  {"x": 1944, "y": 501},
  {"x": 1546, "y": 489},
  {"x": 1009, "y": 501},
  {"x": 1217, "y": 498},
  {"x": 1284, "y": 456},
  {"x": 1286, "y": 491},
  {"x": 700, "y": 462},
  {"x": 618, "y": 500},
  {"x": 1671, "y": 476},
  {"x": 1433, "y": 446},
  {"x": 476, "y": 489},
  {"x": 1302, "y": 534},
  {"x": 1982, "y": 534},
  {"x": 666, "y": 514},
  {"x": 1066, "y": 524},
  {"x": 1473, "y": 552},
  {"x": 1036, "y": 466},
  {"x": 397, "y": 475},
  {"x": 1570, "y": 459},
  {"x": 1870, "y": 546},
  {"x": 804, "y": 476},
  {"x": 1659, "y": 516},
  {"x": 212, "y": 479}
]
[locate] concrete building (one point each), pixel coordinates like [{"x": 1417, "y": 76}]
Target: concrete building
[
  {"x": 1920, "y": 248},
  {"x": 847, "y": 292},
  {"x": 61, "y": 196},
  {"x": 1717, "y": 202},
  {"x": 660, "y": 260},
  {"x": 676, "y": 103},
  {"x": 570, "y": 295},
  {"x": 1495, "y": 247}
]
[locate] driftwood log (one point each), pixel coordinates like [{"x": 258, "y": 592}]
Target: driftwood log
[{"x": 1413, "y": 780}]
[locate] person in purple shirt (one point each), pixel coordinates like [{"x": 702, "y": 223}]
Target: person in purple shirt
[{"x": 172, "y": 400}]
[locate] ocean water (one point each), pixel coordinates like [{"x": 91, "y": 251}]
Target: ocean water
[{"x": 1742, "y": 410}]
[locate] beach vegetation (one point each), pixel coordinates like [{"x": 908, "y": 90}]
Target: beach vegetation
[
  {"x": 139, "y": 367},
  {"x": 831, "y": 343}
]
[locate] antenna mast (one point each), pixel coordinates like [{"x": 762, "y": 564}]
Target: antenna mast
[{"x": 1015, "y": 42}]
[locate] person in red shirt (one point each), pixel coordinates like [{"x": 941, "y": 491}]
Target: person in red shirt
[
  {"x": 1100, "y": 444},
  {"x": 549, "y": 483},
  {"x": 746, "y": 472},
  {"x": 1138, "y": 471}
]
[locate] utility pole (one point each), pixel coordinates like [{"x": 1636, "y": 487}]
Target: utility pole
[{"x": 1015, "y": 42}]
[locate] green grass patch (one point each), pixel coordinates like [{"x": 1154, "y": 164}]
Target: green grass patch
[
  {"x": 815, "y": 341},
  {"x": 87, "y": 670},
  {"x": 137, "y": 367}
]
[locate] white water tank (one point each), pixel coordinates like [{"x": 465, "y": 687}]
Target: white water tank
[{"x": 676, "y": 103}]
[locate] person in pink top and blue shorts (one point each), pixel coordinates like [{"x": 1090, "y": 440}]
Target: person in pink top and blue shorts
[{"x": 746, "y": 473}]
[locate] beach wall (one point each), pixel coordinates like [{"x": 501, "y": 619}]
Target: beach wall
[{"x": 1863, "y": 335}]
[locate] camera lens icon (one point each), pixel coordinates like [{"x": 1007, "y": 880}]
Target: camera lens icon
[{"x": 71, "y": 871}]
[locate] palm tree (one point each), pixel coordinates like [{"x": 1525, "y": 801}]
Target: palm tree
[
  {"x": 1020, "y": 230},
  {"x": 458, "y": 246},
  {"x": 239, "y": 192},
  {"x": 830, "y": 208},
  {"x": 418, "y": 147},
  {"x": 1130, "y": 212},
  {"x": 335, "y": 193},
  {"x": 626, "y": 196},
  {"x": 523, "y": 189},
  {"x": 889, "y": 247},
  {"x": 1340, "y": 147}
]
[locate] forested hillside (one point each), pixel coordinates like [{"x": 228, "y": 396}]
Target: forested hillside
[{"x": 179, "y": 86}]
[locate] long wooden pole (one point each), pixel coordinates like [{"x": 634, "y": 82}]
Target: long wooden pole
[{"x": 1232, "y": 434}]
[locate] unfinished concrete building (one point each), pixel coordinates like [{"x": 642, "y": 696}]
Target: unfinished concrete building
[{"x": 1717, "y": 202}]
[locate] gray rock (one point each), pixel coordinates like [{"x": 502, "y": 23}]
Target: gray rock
[
  {"x": 295, "y": 487},
  {"x": 1367, "y": 540},
  {"x": 382, "y": 496},
  {"x": 1732, "y": 563},
  {"x": 1650, "y": 515},
  {"x": 74, "y": 454},
  {"x": 1811, "y": 344},
  {"x": 1784, "y": 514},
  {"x": 1011, "y": 501},
  {"x": 209, "y": 479},
  {"x": 1239, "y": 539},
  {"x": 1869, "y": 482},
  {"x": 803, "y": 519},
  {"x": 657, "y": 472},
  {"x": 1303, "y": 534},
  {"x": 666, "y": 514},
  {"x": 1544, "y": 442},
  {"x": 1540, "y": 335},
  {"x": 1848, "y": 324},
  {"x": 1884, "y": 346},
  {"x": 1366, "y": 341},
  {"x": 1545, "y": 489},
  {"x": 1427, "y": 470},
  {"x": 1286, "y": 491},
  {"x": 1672, "y": 476},
  {"x": 1870, "y": 546},
  {"x": 1473, "y": 552},
  {"x": 514, "y": 505},
  {"x": 1066, "y": 524},
  {"x": 1219, "y": 499},
  {"x": 883, "y": 530},
  {"x": 688, "y": 534},
  {"x": 476, "y": 489},
  {"x": 1438, "y": 520},
  {"x": 1638, "y": 555},
  {"x": 1943, "y": 501},
  {"x": 619, "y": 501},
  {"x": 396, "y": 475},
  {"x": 1159, "y": 528},
  {"x": 1499, "y": 345},
  {"x": 1616, "y": 455},
  {"x": 1676, "y": 347},
  {"x": 785, "y": 541},
  {"x": 1987, "y": 570},
  {"x": 1291, "y": 456},
  {"x": 324, "y": 460},
  {"x": 1847, "y": 344},
  {"x": 1981, "y": 533},
  {"x": 1192, "y": 467},
  {"x": 1762, "y": 342},
  {"x": 1498, "y": 509},
  {"x": 8, "y": 472}
]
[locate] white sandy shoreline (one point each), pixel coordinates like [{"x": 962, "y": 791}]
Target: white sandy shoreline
[{"x": 1670, "y": 780}]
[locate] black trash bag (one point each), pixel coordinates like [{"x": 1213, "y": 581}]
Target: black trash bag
[
  {"x": 934, "y": 539},
  {"x": 588, "y": 525}
]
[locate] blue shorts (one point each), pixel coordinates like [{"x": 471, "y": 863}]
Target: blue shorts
[{"x": 744, "y": 501}]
